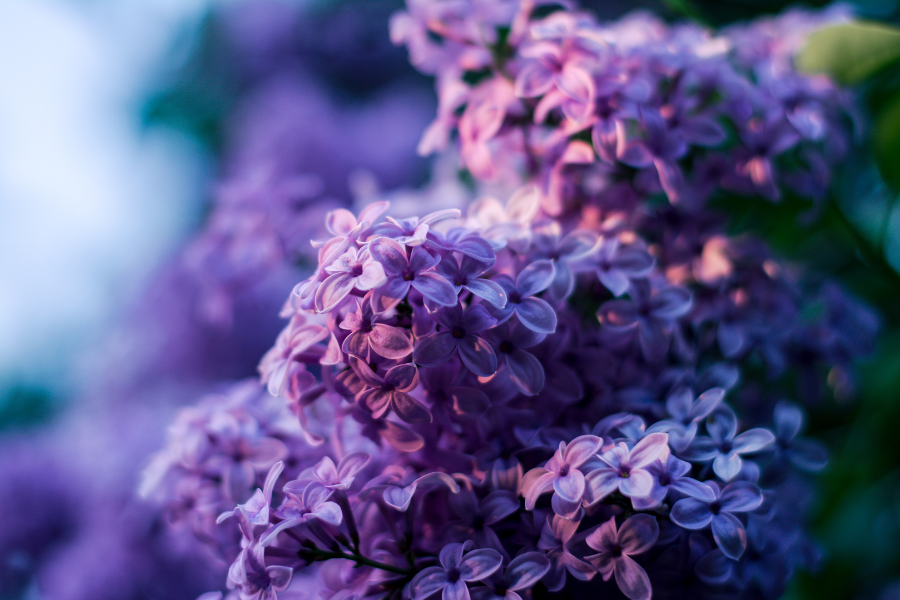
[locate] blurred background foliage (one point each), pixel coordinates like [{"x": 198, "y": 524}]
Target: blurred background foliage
[{"x": 854, "y": 238}]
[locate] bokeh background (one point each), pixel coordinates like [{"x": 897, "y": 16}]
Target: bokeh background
[{"x": 128, "y": 127}]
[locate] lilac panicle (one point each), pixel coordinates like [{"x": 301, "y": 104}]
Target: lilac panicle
[{"x": 555, "y": 386}]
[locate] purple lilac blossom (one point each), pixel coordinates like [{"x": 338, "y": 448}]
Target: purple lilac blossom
[{"x": 621, "y": 294}]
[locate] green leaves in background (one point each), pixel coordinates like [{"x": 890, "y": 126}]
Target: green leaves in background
[
  {"x": 866, "y": 54},
  {"x": 851, "y": 53}
]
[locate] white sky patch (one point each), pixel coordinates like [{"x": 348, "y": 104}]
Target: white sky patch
[{"x": 89, "y": 201}]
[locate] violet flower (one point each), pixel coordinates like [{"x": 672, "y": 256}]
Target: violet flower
[
  {"x": 477, "y": 517},
  {"x": 556, "y": 535},
  {"x": 725, "y": 448},
  {"x": 661, "y": 148},
  {"x": 520, "y": 574},
  {"x": 562, "y": 475},
  {"x": 727, "y": 529},
  {"x": 615, "y": 547},
  {"x": 403, "y": 273},
  {"x": 458, "y": 566},
  {"x": 618, "y": 265},
  {"x": 465, "y": 275},
  {"x": 390, "y": 392},
  {"x": 459, "y": 336},
  {"x": 534, "y": 313},
  {"x": 370, "y": 333},
  {"x": 509, "y": 341},
  {"x": 354, "y": 269},
  {"x": 669, "y": 474},
  {"x": 626, "y": 470}
]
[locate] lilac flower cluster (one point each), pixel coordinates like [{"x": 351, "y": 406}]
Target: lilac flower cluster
[
  {"x": 577, "y": 390},
  {"x": 604, "y": 113}
]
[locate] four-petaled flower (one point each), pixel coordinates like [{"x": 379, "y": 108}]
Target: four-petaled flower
[
  {"x": 352, "y": 269},
  {"x": 562, "y": 475},
  {"x": 459, "y": 335},
  {"x": 727, "y": 529},
  {"x": 615, "y": 547},
  {"x": 369, "y": 332},
  {"x": 402, "y": 273},
  {"x": 626, "y": 470},
  {"x": 457, "y": 568}
]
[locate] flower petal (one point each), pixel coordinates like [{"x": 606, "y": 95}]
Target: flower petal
[
  {"x": 435, "y": 348},
  {"x": 632, "y": 579},
  {"x": 435, "y": 288},
  {"x": 427, "y": 582},
  {"x": 535, "y": 278},
  {"x": 478, "y": 564},
  {"x": 753, "y": 440},
  {"x": 390, "y": 342},
  {"x": 740, "y": 496},
  {"x": 525, "y": 570},
  {"x": 409, "y": 409},
  {"x": 537, "y": 315},
  {"x": 691, "y": 513},
  {"x": 488, "y": 290},
  {"x": 477, "y": 355},
  {"x": 526, "y": 372},
  {"x": 729, "y": 535},
  {"x": 638, "y": 534}
]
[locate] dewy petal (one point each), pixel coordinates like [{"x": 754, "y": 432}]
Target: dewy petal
[
  {"x": 535, "y": 278},
  {"x": 570, "y": 487},
  {"x": 599, "y": 484},
  {"x": 390, "y": 254},
  {"x": 409, "y": 409},
  {"x": 537, "y": 315},
  {"x": 638, "y": 534},
  {"x": 638, "y": 484},
  {"x": 390, "y": 342},
  {"x": 428, "y": 581},
  {"x": 526, "y": 372},
  {"x": 691, "y": 513},
  {"x": 334, "y": 289},
  {"x": 488, "y": 290},
  {"x": 648, "y": 450},
  {"x": 729, "y": 535},
  {"x": 477, "y": 355},
  {"x": 740, "y": 496},
  {"x": 632, "y": 579},
  {"x": 526, "y": 570},
  {"x": 435, "y": 348},
  {"x": 478, "y": 564},
  {"x": 456, "y": 591},
  {"x": 753, "y": 440},
  {"x": 435, "y": 288}
]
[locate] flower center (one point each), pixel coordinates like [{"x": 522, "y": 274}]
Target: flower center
[
  {"x": 458, "y": 333},
  {"x": 506, "y": 347},
  {"x": 715, "y": 507},
  {"x": 409, "y": 276},
  {"x": 453, "y": 575}
]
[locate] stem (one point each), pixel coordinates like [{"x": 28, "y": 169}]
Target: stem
[{"x": 359, "y": 559}]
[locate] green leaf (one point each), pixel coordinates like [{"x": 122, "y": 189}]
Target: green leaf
[
  {"x": 852, "y": 52},
  {"x": 886, "y": 142}
]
